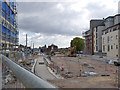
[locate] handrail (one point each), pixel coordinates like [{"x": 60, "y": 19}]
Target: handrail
[
  {"x": 0, "y": 74},
  {"x": 28, "y": 79}
]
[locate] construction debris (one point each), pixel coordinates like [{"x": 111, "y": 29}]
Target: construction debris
[
  {"x": 90, "y": 66},
  {"x": 85, "y": 64},
  {"x": 84, "y": 71},
  {"x": 91, "y": 73},
  {"x": 105, "y": 75},
  {"x": 68, "y": 75}
]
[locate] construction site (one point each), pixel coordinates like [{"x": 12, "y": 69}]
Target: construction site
[
  {"x": 83, "y": 72},
  {"x": 65, "y": 70},
  {"x": 89, "y": 61}
]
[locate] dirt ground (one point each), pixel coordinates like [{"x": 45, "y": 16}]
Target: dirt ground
[{"x": 74, "y": 65}]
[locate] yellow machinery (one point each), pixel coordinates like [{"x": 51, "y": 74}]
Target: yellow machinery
[
  {"x": 72, "y": 52},
  {"x": 52, "y": 53},
  {"x": 62, "y": 51}
]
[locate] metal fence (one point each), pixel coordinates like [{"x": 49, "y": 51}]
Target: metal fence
[{"x": 28, "y": 79}]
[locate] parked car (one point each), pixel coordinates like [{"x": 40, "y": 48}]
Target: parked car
[
  {"x": 81, "y": 52},
  {"x": 112, "y": 61}
]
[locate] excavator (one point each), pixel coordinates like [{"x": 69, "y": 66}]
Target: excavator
[
  {"x": 52, "y": 53},
  {"x": 62, "y": 52},
  {"x": 72, "y": 52}
]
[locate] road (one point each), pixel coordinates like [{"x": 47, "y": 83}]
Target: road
[{"x": 42, "y": 71}]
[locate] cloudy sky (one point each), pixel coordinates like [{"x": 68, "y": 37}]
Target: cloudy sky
[{"x": 59, "y": 22}]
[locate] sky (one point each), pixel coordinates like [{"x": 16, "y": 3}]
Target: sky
[{"x": 59, "y": 22}]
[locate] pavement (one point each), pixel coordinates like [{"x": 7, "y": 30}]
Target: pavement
[{"x": 42, "y": 71}]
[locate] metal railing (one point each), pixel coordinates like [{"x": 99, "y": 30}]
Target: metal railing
[{"x": 28, "y": 79}]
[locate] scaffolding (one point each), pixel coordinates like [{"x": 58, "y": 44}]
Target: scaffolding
[
  {"x": 0, "y": 29},
  {"x": 9, "y": 25}
]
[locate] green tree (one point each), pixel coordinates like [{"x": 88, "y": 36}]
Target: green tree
[{"x": 78, "y": 42}]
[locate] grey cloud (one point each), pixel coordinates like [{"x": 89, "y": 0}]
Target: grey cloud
[
  {"x": 44, "y": 17},
  {"x": 98, "y": 10},
  {"x": 47, "y": 19}
]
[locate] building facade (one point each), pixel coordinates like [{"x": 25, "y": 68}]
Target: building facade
[
  {"x": 110, "y": 36},
  {"x": 89, "y": 36},
  {"x": 98, "y": 39},
  {"x": 8, "y": 25},
  {"x": 53, "y": 48},
  {"x": 87, "y": 42},
  {"x": 103, "y": 36}
]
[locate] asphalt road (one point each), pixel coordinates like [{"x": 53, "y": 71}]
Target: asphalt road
[{"x": 42, "y": 71}]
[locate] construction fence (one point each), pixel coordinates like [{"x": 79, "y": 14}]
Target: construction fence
[{"x": 53, "y": 66}]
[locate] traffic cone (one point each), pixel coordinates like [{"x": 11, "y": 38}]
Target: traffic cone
[{"x": 62, "y": 67}]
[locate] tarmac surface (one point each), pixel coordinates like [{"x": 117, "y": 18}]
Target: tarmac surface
[{"x": 42, "y": 71}]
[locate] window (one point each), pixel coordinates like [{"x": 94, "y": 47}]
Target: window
[
  {"x": 103, "y": 40},
  {"x": 96, "y": 42},
  {"x": 116, "y": 46},
  {"x": 109, "y": 30},
  {"x": 116, "y": 36},
  {"x": 96, "y": 30},
  {"x": 96, "y": 48},
  {"x": 117, "y": 27},
  {"x": 108, "y": 48},
  {"x": 109, "y": 19},
  {"x": 103, "y": 47},
  {"x": 111, "y": 46},
  {"x": 111, "y": 38},
  {"x": 108, "y": 40},
  {"x": 103, "y": 32}
]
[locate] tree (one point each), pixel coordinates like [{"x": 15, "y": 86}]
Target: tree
[{"x": 78, "y": 42}]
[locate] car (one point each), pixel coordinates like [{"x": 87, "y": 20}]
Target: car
[
  {"x": 81, "y": 52},
  {"x": 41, "y": 54},
  {"x": 113, "y": 60}
]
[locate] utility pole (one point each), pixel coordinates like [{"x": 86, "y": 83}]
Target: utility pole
[
  {"x": 33, "y": 48},
  {"x": 26, "y": 47},
  {"x": 33, "y": 53},
  {"x": 26, "y": 40}
]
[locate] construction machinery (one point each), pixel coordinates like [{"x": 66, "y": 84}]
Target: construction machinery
[
  {"x": 72, "y": 52},
  {"x": 52, "y": 53},
  {"x": 62, "y": 52}
]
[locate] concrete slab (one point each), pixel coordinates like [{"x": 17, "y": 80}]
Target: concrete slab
[{"x": 42, "y": 71}]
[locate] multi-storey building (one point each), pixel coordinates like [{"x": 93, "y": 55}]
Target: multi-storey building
[
  {"x": 110, "y": 36},
  {"x": 8, "y": 25},
  {"x": 87, "y": 42},
  {"x": 103, "y": 36},
  {"x": 89, "y": 36}
]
